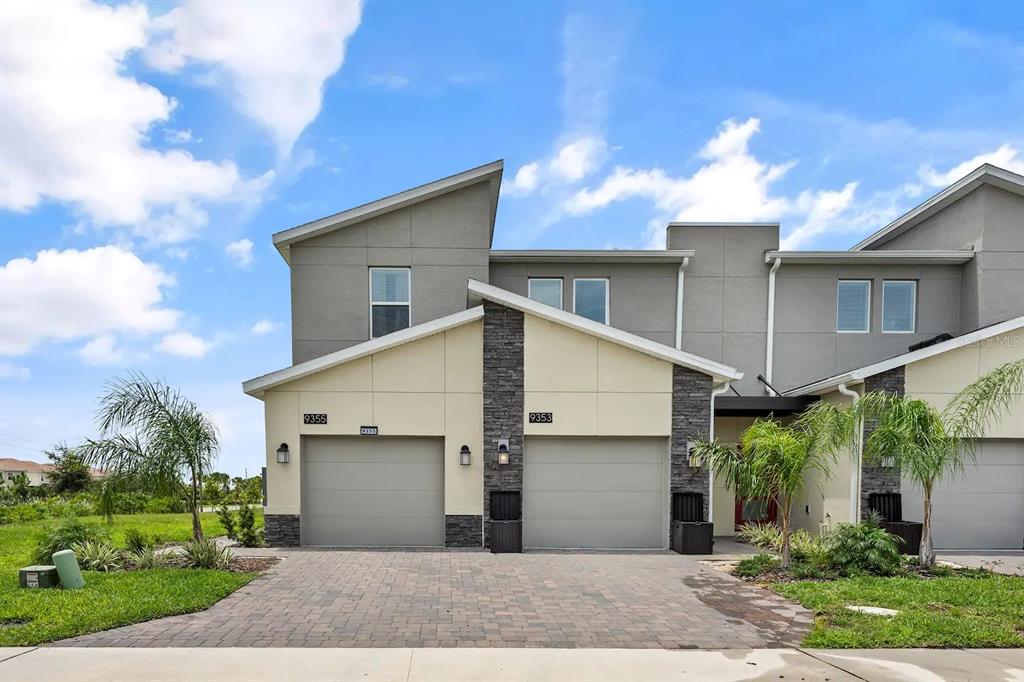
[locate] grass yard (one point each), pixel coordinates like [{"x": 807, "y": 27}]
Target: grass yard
[
  {"x": 109, "y": 599},
  {"x": 955, "y": 611}
]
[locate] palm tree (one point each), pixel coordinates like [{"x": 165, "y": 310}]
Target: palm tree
[
  {"x": 928, "y": 445},
  {"x": 153, "y": 438},
  {"x": 775, "y": 461}
]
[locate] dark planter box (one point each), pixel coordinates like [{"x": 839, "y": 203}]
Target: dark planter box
[
  {"x": 693, "y": 537},
  {"x": 909, "y": 532},
  {"x": 506, "y": 537}
]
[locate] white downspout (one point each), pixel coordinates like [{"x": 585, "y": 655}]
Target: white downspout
[
  {"x": 770, "y": 340},
  {"x": 680, "y": 279},
  {"x": 711, "y": 436},
  {"x": 856, "y": 464}
]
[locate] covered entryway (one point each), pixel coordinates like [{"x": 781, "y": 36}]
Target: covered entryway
[
  {"x": 372, "y": 492},
  {"x": 595, "y": 493},
  {"x": 983, "y": 508}
]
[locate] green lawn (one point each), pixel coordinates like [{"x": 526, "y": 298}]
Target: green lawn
[
  {"x": 108, "y": 599},
  {"x": 956, "y": 611}
]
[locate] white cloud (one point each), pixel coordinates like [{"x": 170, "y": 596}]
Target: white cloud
[
  {"x": 174, "y": 136},
  {"x": 389, "y": 81},
  {"x": 240, "y": 252},
  {"x": 177, "y": 253},
  {"x": 578, "y": 158},
  {"x": 1006, "y": 156},
  {"x": 184, "y": 344},
  {"x": 75, "y": 124},
  {"x": 821, "y": 210},
  {"x": 65, "y": 295},
  {"x": 264, "y": 327},
  {"x": 525, "y": 180},
  {"x": 275, "y": 55},
  {"x": 102, "y": 350},
  {"x": 9, "y": 370}
]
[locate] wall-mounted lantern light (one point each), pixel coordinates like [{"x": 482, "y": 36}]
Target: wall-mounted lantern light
[
  {"x": 503, "y": 451},
  {"x": 283, "y": 455},
  {"x": 464, "y": 454}
]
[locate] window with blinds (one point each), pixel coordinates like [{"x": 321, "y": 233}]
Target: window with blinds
[
  {"x": 853, "y": 305},
  {"x": 389, "y": 300},
  {"x": 546, "y": 290},
  {"x": 899, "y": 306}
]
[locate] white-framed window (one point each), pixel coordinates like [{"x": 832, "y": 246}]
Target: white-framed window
[
  {"x": 390, "y": 300},
  {"x": 899, "y": 306},
  {"x": 546, "y": 290},
  {"x": 590, "y": 298},
  {"x": 853, "y": 306}
]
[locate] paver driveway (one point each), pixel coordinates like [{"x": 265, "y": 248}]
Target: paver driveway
[{"x": 344, "y": 598}]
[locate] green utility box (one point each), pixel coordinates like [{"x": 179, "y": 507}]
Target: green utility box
[{"x": 38, "y": 576}]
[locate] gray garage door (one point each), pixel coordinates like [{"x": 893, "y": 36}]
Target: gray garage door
[
  {"x": 595, "y": 492},
  {"x": 372, "y": 492},
  {"x": 982, "y": 508}
]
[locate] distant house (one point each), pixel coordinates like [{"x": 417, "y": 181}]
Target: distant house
[{"x": 36, "y": 472}]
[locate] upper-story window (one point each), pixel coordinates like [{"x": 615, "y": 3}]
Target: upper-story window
[
  {"x": 546, "y": 290},
  {"x": 899, "y": 306},
  {"x": 853, "y": 305},
  {"x": 590, "y": 298},
  {"x": 389, "y": 300}
]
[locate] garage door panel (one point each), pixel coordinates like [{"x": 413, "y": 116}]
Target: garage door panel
[
  {"x": 619, "y": 534},
  {"x": 992, "y": 535},
  {"x": 372, "y": 491},
  {"x": 976, "y": 506},
  {"x": 619, "y": 476},
  {"x": 595, "y": 492}
]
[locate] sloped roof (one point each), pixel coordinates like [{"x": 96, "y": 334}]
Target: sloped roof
[
  {"x": 717, "y": 370},
  {"x": 11, "y": 464},
  {"x": 490, "y": 172},
  {"x": 855, "y": 376},
  {"x": 986, "y": 174}
]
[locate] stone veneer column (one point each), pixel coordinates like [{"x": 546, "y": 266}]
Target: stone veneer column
[
  {"x": 880, "y": 479},
  {"x": 281, "y": 530},
  {"x": 691, "y": 414},
  {"x": 462, "y": 530},
  {"x": 503, "y": 402}
]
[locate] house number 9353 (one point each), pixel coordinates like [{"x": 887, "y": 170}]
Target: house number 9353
[{"x": 541, "y": 417}]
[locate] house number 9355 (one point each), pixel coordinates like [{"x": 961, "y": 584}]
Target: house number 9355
[{"x": 314, "y": 418}]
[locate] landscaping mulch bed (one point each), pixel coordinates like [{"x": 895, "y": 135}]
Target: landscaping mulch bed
[{"x": 252, "y": 564}]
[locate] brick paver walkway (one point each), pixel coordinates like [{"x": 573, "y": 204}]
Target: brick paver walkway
[{"x": 316, "y": 598}]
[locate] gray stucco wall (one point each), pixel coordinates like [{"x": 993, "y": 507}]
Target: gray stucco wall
[
  {"x": 725, "y": 305},
  {"x": 444, "y": 240},
  {"x": 641, "y": 297}
]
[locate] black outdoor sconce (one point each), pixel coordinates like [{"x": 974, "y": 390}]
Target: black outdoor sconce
[
  {"x": 464, "y": 454},
  {"x": 283, "y": 456},
  {"x": 503, "y": 451}
]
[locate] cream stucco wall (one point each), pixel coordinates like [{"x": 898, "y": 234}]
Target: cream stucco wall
[
  {"x": 937, "y": 379},
  {"x": 826, "y": 498},
  {"x": 727, "y": 430},
  {"x": 591, "y": 386},
  {"x": 429, "y": 387}
]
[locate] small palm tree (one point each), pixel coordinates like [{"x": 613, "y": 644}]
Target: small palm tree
[
  {"x": 153, "y": 438},
  {"x": 928, "y": 445},
  {"x": 774, "y": 461}
]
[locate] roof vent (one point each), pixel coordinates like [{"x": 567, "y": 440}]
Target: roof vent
[{"x": 939, "y": 338}]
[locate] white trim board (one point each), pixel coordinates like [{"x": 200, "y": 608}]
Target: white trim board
[
  {"x": 716, "y": 370},
  {"x": 856, "y": 376},
  {"x": 256, "y": 387},
  {"x": 870, "y": 257}
]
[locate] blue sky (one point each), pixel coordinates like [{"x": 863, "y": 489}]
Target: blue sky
[{"x": 149, "y": 152}]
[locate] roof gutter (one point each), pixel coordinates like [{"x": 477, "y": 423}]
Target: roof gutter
[
  {"x": 711, "y": 436},
  {"x": 680, "y": 281},
  {"x": 770, "y": 341},
  {"x": 855, "y": 466}
]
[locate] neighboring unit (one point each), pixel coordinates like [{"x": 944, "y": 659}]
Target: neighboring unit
[{"x": 431, "y": 371}]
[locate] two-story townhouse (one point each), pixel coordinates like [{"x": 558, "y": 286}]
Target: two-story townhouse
[{"x": 431, "y": 371}]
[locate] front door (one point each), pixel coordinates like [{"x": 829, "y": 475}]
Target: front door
[{"x": 755, "y": 510}]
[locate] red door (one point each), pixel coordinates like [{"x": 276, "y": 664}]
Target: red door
[{"x": 752, "y": 510}]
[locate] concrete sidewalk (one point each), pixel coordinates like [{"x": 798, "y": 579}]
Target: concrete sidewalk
[{"x": 590, "y": 665}]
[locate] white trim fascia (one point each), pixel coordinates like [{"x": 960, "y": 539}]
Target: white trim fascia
[
  {"x": 256, "y": 387},
  {"x": 915, "y": 257},
  {"x": 856, "y": 376},
  {"x": 491, "y": 171},
  {"x": 591, "y": 256},
  {"x": 640, "y": 344},
  {"x": 607, "y": 294},
  {"x": 986, "y": 174}
]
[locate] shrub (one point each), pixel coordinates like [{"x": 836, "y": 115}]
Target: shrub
[
  {"x": 248, "y": 534},
  {"x": 65, "y": 534},
  {"x": 227, "y": 519},
  {"x": 165, "y": 505},
  {"x": 863, "y": 547},
  {"x": 97, "y": 555},
  {"x": 21, "y": 513},
  {"x": 205, "y": 553},
  {"x": 124, "y": 503},
  {"x": 136, "y": 541},
  {"x": 763, "y": 535},
  {"x": 754, "y": 566},
  {"x": 148, "y": 557}
]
